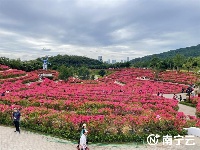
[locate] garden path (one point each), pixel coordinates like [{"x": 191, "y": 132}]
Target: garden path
[
  {"x": 10, "y": 140},
  {"x": 187, "y": 110}
]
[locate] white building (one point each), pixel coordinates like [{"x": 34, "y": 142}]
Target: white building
[
  {"x": 114, "y": 61},
  {"x": 100, "y": 58},
  {"x": 127, "y": 58}
]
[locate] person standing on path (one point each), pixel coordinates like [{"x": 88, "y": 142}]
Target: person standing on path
[
  {"x": 83, "y": 129},
  {"x": 83, "y": 139},
  {"x": 175, "y": 97},
  {"x": 180, "y": 98},
  {"x": 16, "y": 119}
]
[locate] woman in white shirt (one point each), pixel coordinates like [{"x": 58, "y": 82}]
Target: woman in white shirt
[{"x": 83, "y": 139}]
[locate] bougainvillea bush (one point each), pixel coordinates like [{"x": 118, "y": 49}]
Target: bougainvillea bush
[
  {"x": 197, "y": 102},
  {"x": 113, "y": 112},
  {"x": 3, "y": 67},
  {"x": 11, "y": 73},
  {"x": 178, "y": 77}
]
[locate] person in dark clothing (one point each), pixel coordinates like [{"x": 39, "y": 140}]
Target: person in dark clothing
[
  {"x": 3, "y": 94},
  {"x": 175, "y": 97},
  {"x": 183, "y": 90},
  {"x": 180, "y": 98},
  {"x": 16, "y": 119}
]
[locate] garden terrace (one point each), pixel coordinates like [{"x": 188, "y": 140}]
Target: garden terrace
[
  {"x": 178, "y": 77},
  {"x": 3, "y": 67},
  {"x": 11, "y": 73},
  {"x": 112, "y": 112},
  {"x": 29, "y": 77}
]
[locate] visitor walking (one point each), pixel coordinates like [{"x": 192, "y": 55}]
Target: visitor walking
[
  {"x": 175, "y": 97},
  {"x": 83, "y": 139},
  {"x": 183, "y": 90},
  {"x": 16, "y": 119},
  {"x": 180, "y": 98},
  {"x": 83, "y": 130}
]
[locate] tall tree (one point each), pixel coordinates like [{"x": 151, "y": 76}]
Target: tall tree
[
  {"x": 189, "y": 63},
  {"x": 83, "y": 73},
  {"x": 178, "y": 61},
  {"x": 65, "y": 73},
  {"x": 102, "y": 72},
  {"x": 155, "y": 65}
]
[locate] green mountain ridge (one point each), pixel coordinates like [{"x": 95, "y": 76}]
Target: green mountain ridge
[{"x": 193, "y": 51}]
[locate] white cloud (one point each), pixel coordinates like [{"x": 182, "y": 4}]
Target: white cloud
[{"x": 122, "y": 34}]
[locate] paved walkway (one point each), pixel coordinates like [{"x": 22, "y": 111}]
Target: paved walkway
[
  {"x": 10, "y": 140},
  {"x": 187, "y": 110},
  {"x": 183, "y": 108}
]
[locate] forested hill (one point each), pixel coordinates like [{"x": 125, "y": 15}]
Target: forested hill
[
  {"x": 193, "y": 51},
  {"x": 79, "y": 61},
  {"x": 75, "y": 61},
  {"x": 57, "y": 61},
  {"x": 54, "y": 62}
]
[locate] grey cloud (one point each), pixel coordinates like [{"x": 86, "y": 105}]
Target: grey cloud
[{"x": 105, "y": 27}]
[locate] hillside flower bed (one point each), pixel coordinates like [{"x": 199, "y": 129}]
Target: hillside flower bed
[
  {"x": 3, "y": 67},
  {"x": 113, "y": 113},
  {"x": 178, "y": 77},
  {"x": 11, "y": 73},
  {"x": 102, "y": 127},
  {"x": 198, "y": 107},
  {"x": 198, "y": 110}
]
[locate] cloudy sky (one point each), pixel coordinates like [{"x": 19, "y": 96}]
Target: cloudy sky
[{"x": 115, "y": 29}]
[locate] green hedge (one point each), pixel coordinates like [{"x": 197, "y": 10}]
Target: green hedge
[{"x": 188, "y": 104}]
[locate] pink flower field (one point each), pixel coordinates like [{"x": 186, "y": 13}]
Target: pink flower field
[
  {"x": 178, "y": 77},
  {"x": 113, "y": 112}
]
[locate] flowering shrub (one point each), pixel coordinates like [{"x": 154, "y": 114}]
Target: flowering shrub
[
  {"x": 198, "y": 110},
  {"x": 3, "y": 67},
  {"x": 178, "y": 77},
  {"x": 112, "y": 111},
  {"x": 11, "y": 73}
]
